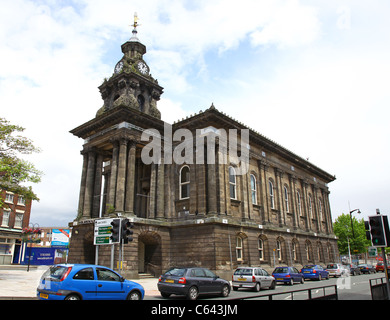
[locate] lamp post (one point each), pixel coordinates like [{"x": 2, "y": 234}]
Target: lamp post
[{"x": 350, "y": 215}]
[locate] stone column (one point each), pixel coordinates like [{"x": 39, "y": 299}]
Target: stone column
[
  {"x": 89, "y": 184},
  {"x": 152, "y": 193},
  {"x": 82, "y": 184},
  {"x": 160, "y": 190},
  {"x": 130, "y": 180},
  {"x": 211, "y": 189},
  {"x": 113, "y": 174},
  {"x": 121, "y": 177},
  {"x": 97, "y": 198}
]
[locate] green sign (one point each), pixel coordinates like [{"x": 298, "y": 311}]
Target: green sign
[
  {"x": 104, "y": 230},
  {"x": 102, "y": 240}
]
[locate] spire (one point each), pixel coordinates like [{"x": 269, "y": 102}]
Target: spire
[{"x": 135, "y": 24}]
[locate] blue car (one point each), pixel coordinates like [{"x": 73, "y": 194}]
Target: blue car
[
  {"x": 314, "y": 271},
  {"x": 86, "y": 282},
  {"x": 289, "y": 275}
]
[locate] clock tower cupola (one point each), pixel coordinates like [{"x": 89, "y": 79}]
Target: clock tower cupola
[{"x": 131, "y": 85}]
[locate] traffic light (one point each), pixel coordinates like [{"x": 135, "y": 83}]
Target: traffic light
[
  {"x": 379, "y": 230},
  {"x": 115, "y": 230},
  {"x": 367, "y": 227},
  {"x": 126, "y": 231}
]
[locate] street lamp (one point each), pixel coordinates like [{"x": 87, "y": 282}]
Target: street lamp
[{"x": 350, "y": 215}]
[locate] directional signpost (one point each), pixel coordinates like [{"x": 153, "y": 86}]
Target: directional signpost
[{"x": 103, "y": 232}]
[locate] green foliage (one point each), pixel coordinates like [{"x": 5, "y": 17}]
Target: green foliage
[
  {"x": 343, "y": 230},
  {"x": 14, "y": 172}
]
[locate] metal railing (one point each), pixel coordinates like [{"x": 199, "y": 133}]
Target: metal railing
[{"x": 326, "y": 295}]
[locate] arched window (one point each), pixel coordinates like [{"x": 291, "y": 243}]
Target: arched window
[
  {"x": 286, "y": 199},
  {"x": 239, "y": 249},
  {"x": 271, "y": 194},
  {"x": 253, "y": 189},
  {"x": 141, "y": 102},
  {"x": 184, "y": 182},
  {"x": 232, "y": 183}
]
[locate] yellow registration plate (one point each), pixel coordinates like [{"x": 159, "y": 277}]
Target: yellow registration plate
[
  {"x": 44, "y": 295},
  {"x": 169, "y": 281},
  {"x": 241, "y": 279}
]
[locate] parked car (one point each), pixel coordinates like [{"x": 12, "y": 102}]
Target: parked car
[
  {"x": 192, "y": 282},
  {"x": 289, "y": 275},
  {"x": 381, "y": 267},
  {"x": 354, "y": 270},
  {"x": 314, "y": 271},
  {"x": 252, "y": 278},
  {"x": 86, "y": 282},
  {"x": 367, "y": 268},
  {"x": 337, "y": 270}
]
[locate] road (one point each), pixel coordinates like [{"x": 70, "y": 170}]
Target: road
[{"x": 349, "y": 288}]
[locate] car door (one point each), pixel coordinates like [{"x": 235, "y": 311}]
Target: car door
[
  {"x": 295, "y": 274},
  {"x": 84, "y": 282},
  {"x": 198, "y": 278},
  {"x": 211, "y": 282},
  {"x": 109, "y": 285},
  {"x": 265, "y": 278}
]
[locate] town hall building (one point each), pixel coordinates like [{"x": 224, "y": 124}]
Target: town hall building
[{"x": 206, "y": 209}]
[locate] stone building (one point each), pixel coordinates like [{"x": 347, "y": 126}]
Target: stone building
[{"x": 193, "y": 211}]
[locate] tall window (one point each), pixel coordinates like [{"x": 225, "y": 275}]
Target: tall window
[
  {"x": 286, "y": 199},
  {"x": 18, "y": 220},
  {"x": 253, "y": 189},
  {"x": 239, "y": 249},
  {"x": 279, "y": 250},
  {"x": 232, "y": 183},
  {"x": 185, "y": 182},
  {"x": 261, "y": 249},
  {"x": 5, "y": 221},
  {"x": 299, "y": 203},
  {"x": 310, "y": 207},
  {"x": 294, "y": 250},
  {"x": 271, "y": 194},
  {"x": 320, "y": 209}
]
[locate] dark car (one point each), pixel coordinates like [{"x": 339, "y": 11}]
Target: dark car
[
  {"x": 354, "y": 269},
  {"x": 367, "y": 268},
  {"x": 289, "y": 275},
  {"x": 86, "y": 282},
  {"x": 314, "y": 271},
  {"x": 192, "y": 282}
]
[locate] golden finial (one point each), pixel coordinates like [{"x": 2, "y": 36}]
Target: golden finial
[{"x": 135, "y": 20}]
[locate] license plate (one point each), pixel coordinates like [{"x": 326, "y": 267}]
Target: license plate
[
  {"x": 241, "y": 279},
  {"x": 169, "y": 281},
  {"x": 44, "y": 295},
  {"x": 279, "y": 279},
  {"x": 306, "y": 271}
]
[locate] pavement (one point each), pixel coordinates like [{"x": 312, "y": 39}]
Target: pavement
[{"x": 16, "y": 283}]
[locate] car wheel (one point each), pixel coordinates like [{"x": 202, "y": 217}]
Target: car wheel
[
  {"x": 257, "y": 287},
  {"x": 134, "y": 295},
  {"x": 319, "y": 277},
  {"x": 225, "y": 291},
  {"x": 165, "y": 294},
  {"x": 73, "y": 297},
  {"x": 272, "y": 286},
  {"x": 291, "y": 282},
  {"x": 193, "y": 293},
  {"x": 302, "y": 280}
]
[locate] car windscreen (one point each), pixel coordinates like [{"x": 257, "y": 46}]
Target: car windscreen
[
  {"x": 332, "y": 266},
  {"x": 308, "y": 267},
  {"x": 178, "y": 272},
  {"x": 281, "y": 270},
  {"x": 243, "y": 272}
]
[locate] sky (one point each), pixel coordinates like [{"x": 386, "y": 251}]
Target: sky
[{"x": 311, "y": 75}]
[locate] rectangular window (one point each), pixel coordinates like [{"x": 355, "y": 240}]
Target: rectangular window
[
  {"x": 18, "y": 220},
  {"x": 5, "y": 221}
]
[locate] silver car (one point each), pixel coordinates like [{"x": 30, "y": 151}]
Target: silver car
[
  {"x": 252, "y": 278},
  {"x": 337, "y": 270}
]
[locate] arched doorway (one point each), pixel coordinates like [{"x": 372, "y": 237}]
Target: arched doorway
[{"x": 149, "y": 253}]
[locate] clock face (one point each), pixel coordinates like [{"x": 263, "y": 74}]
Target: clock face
[
  {"x": 142, "y": 67},
  {"x": 118, "y": 67}
]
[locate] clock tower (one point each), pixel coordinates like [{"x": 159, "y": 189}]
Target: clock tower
[{"x": 131, "y": 85}]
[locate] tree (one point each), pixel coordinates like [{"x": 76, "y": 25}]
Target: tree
[
  {"x": 343, "y": 230},
  {"x": 14, "y": 171}
]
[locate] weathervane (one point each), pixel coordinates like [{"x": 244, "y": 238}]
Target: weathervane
[{"x": 135, "y": 24}]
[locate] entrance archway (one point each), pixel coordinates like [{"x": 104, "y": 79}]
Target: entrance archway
[{"x": 149, "y": 253}]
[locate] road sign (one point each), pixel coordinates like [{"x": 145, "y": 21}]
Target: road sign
[{"x": 103, "y": 233}]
